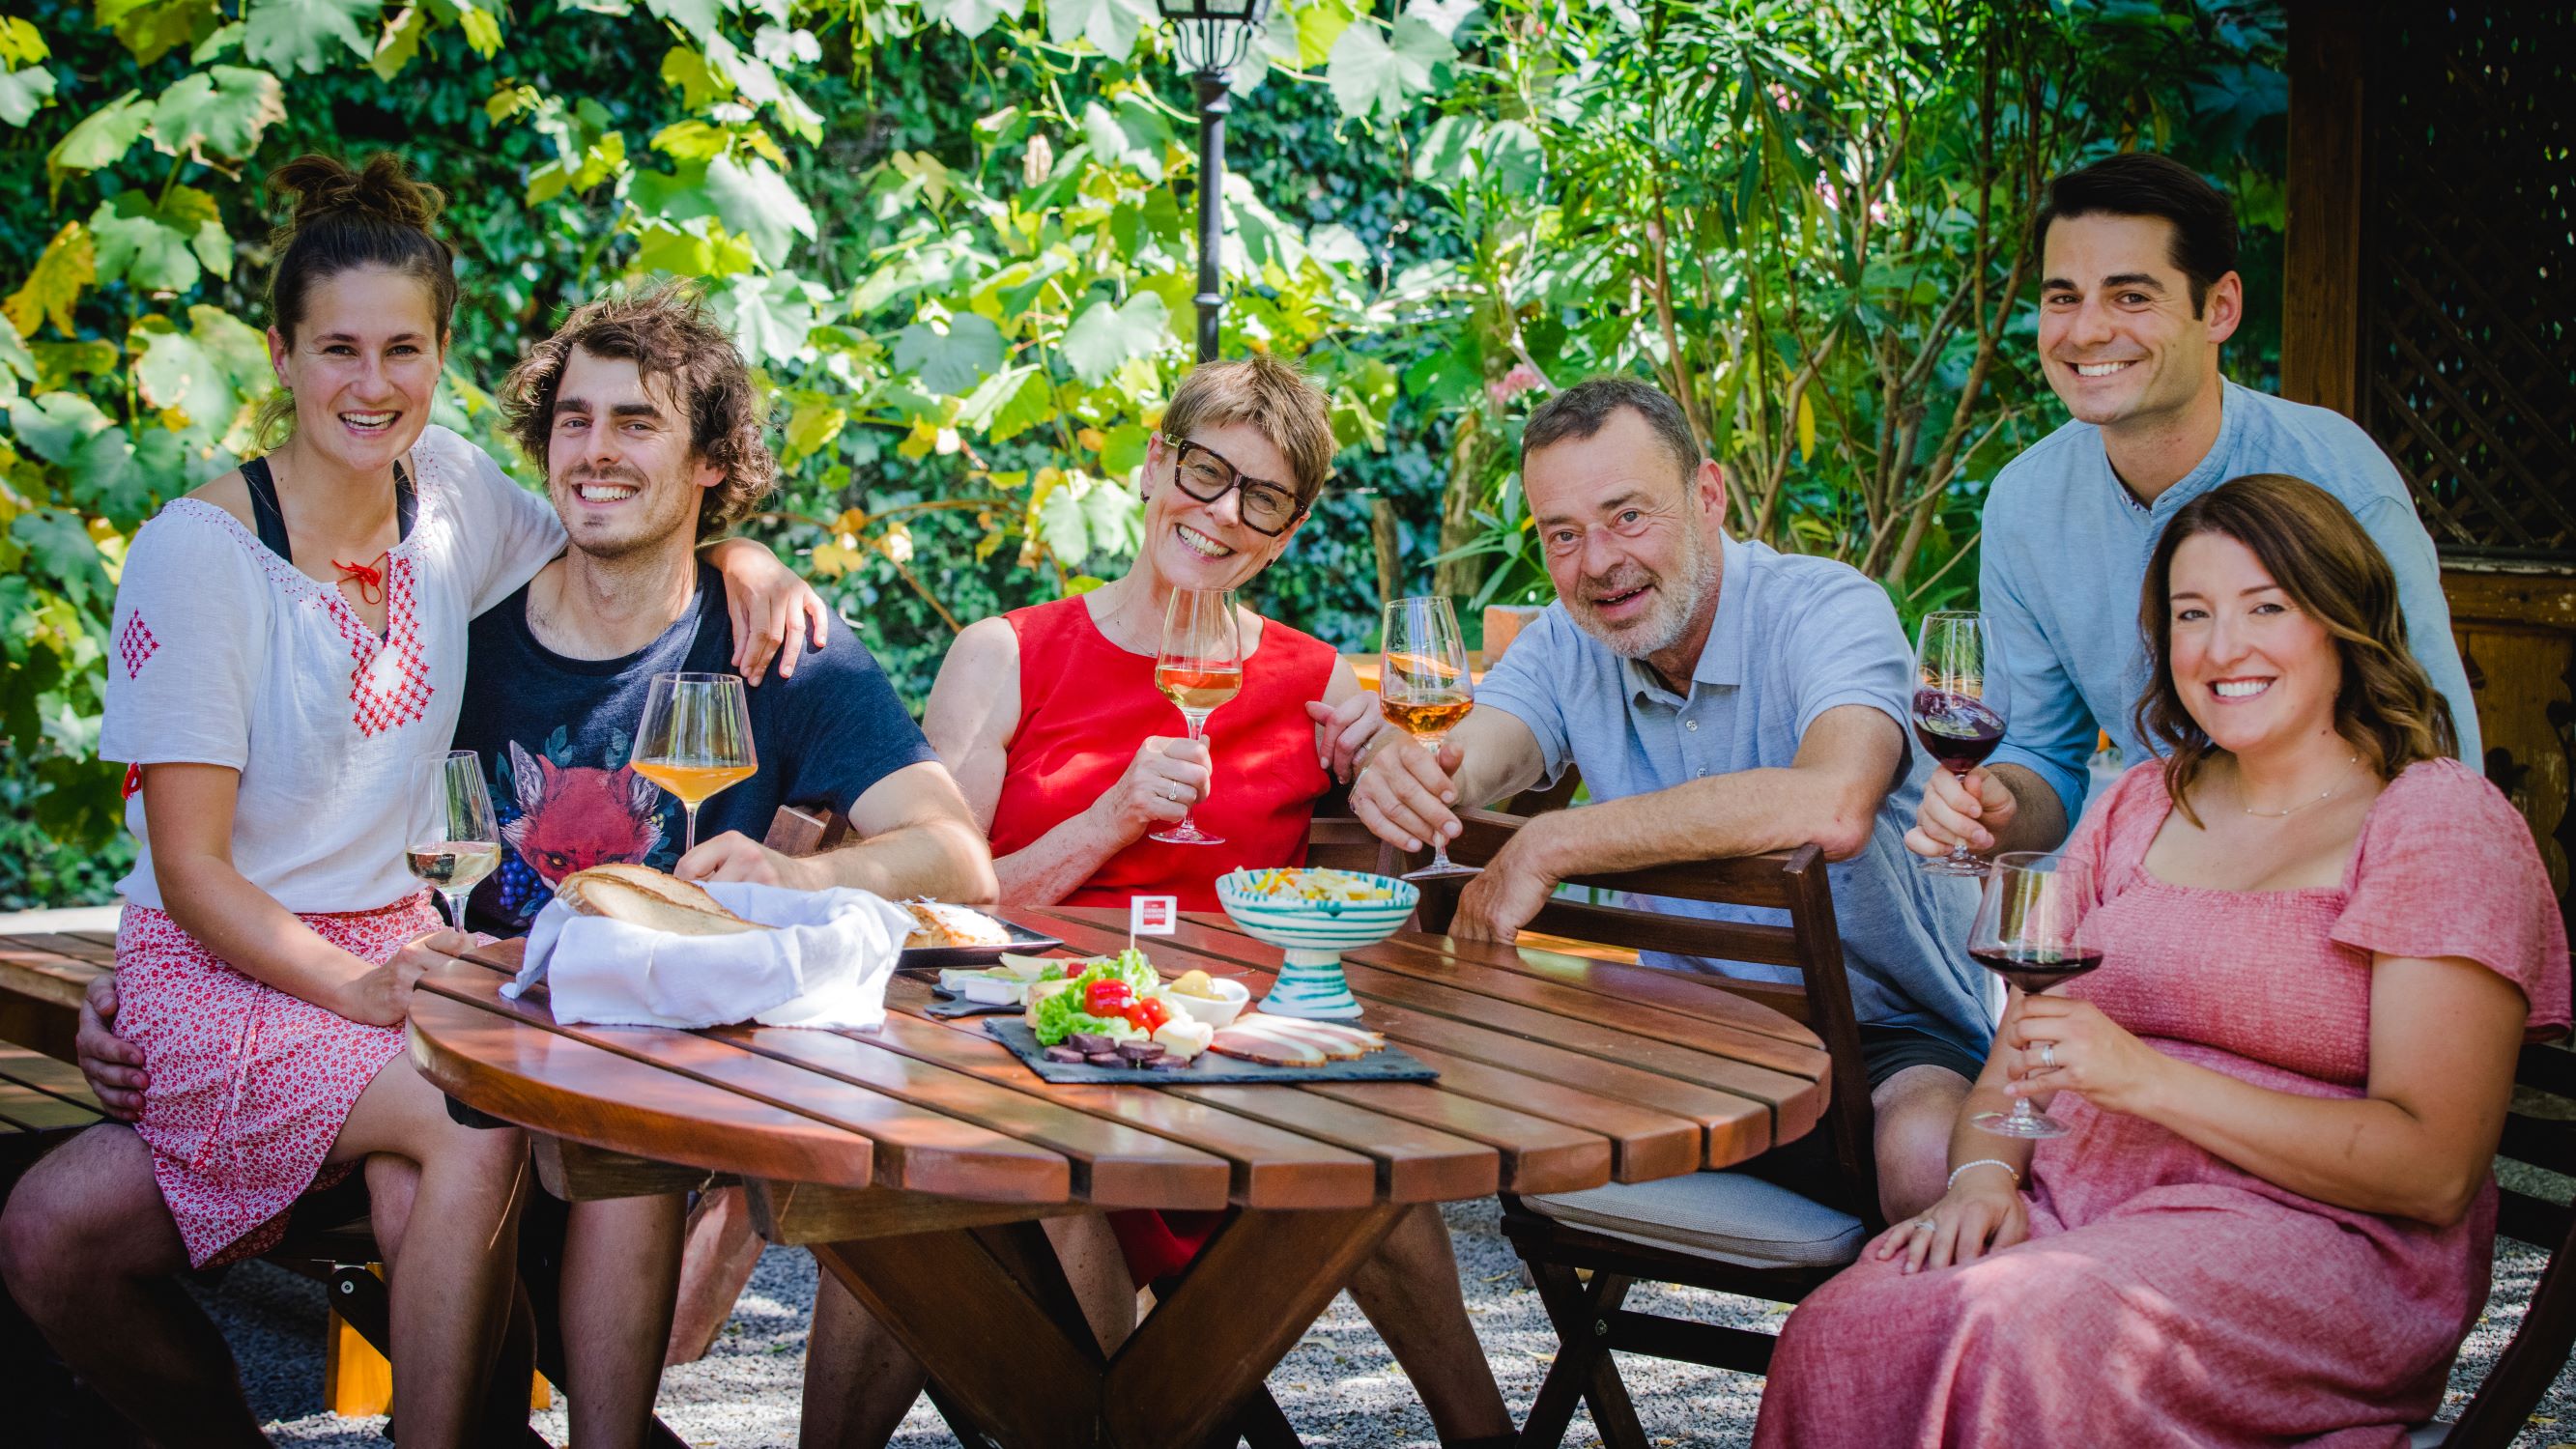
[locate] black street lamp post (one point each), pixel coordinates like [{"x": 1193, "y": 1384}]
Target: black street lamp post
[{"x": 1212, "y": 37}]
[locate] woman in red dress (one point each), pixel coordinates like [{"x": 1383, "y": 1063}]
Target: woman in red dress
[{"x": 1049, "y": 718}]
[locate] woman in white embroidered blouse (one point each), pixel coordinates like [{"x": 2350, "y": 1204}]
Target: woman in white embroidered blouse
[{"x": 289, "y": 640}]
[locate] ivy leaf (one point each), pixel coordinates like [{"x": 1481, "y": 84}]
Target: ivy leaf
[
  {"x": 152, "y": 29},
  {"x": 160, "y": 249},
  {"x": 102, "y": 136},
  {"x": 972, "y": 18},
  {"x": 295, "y": 35},
  {"x": 24, "y": 92},
  {"x": 1110, "y": 25},
  {"x": 217, "y": 113},
  {"x": 68, "y": 263},
  {"x": 949, "y": 364},
  {"x": 1105, "y": 337},
  {"x": 1369, "y": 75}
]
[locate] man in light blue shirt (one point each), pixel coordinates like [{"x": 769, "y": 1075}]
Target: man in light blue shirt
[
  {"x": 1720, "y": 699},
  {"x": 2138, "y": 291}
]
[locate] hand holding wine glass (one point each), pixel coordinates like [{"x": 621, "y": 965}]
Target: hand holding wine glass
[
  {"x": 1199, "y": 667},
  {"x": 1958, "y": 707},
  {"x": 1424, "y": 689},
  {"x": 2030, "y": 931},
  {"x": 694, "y": 740},
  {"x": 452, "y": 843}
]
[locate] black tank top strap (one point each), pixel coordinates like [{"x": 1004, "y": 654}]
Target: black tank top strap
[
  {"x": 264, "y": 512},
  {"x": 271, "y": 519}
]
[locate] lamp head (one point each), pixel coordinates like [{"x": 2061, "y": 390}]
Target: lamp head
[{"x": 1214, "y": 35}]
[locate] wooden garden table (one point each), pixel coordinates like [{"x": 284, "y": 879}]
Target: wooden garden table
[{"x": 915, "y": 1162}]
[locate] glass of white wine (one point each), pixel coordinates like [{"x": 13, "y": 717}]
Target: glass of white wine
[
  {"x": 452, "y": 843},
  {"x": 1199, "y": 667},
  {"x": 695, "y": 739},
  {"x": 1423, "y": 689}
]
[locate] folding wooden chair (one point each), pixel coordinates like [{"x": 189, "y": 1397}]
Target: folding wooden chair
[
  {"x": 2540, "y": 1133},
  {"x": 1733, "y": 1232}
]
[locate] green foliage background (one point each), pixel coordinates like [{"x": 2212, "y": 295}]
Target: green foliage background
[{"x": 955, "y": 237}]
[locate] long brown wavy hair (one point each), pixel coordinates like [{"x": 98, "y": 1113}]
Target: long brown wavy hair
[{"x": 2316, "y": 551}]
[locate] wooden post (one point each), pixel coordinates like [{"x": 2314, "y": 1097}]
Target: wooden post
[{"x": 2321, "y": 261}]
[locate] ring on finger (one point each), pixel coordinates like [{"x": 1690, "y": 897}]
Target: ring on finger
[
  {"x": 1921, "y": 1225},
  {"x": 2048, "y": 1055}
]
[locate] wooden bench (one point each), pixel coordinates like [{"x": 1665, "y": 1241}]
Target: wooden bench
[{"x": 42, "y": 976}]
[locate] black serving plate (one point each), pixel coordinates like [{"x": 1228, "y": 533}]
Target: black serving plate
[{"x": 1024, "y": 942}]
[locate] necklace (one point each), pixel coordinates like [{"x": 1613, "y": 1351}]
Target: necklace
[{"x": 2328, "y": 794}]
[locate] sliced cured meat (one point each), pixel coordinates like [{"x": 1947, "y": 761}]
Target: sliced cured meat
[{"x": 1287, "y": 1041}]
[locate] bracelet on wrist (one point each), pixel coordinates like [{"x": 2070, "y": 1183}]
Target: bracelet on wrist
[{"x": 1983, "y": 1162}]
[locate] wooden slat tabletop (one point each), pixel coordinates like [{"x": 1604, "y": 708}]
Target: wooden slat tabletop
[
  {"x": 55, "y": 968},
  {"x": 1558, "y": 1073}
]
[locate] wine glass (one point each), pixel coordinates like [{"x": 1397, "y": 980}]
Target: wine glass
[
  {"x": 1423, "y": 689},
  {"x": 451, "y": 843},
  {"x": 1199, "y": 667},
  {"x": 2030, "y": 931},
  {"x": 695, "y": 740},
  {"x": 1958, "y": 706}
]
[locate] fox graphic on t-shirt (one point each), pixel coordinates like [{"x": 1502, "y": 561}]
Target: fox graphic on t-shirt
[{"x": 572, "y": 817}]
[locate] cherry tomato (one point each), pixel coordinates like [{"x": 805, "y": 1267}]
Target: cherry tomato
[
  {"x": 1150, "y": 1015},
  {"x": 1107, "y": 998}
]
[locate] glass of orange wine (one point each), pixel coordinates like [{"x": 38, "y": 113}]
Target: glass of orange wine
[
  {"x": 1424, "y": 690},
  {"x": 1199, "y": 667},
  {"x": 695, "y": 739},
  {"x": 452, "y": 843}
]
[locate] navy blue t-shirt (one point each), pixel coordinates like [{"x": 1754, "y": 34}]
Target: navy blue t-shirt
[{"x": 554, "y": 734}]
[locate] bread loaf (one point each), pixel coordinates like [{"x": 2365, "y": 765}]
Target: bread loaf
[
  {"x": 936, "y": 923},
  {"x": 642, "y": 896}
]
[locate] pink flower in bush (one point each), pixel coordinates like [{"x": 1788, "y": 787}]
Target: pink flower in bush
[
  {"x": 1522, "y": 378},
  {"x": 1825, "y": 189},
  {"x": 1781, "y": 97}
]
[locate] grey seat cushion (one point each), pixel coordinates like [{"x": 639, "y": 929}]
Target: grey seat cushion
[{"x": 1728, "y": 1216}]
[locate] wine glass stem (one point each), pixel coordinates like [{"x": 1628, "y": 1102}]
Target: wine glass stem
[
  {"x": 455, "y": 907},
  {"x": 689, "y": 832},
  {"x": 1439, "y": 845},
  {"x": 1198, "y": 736}
]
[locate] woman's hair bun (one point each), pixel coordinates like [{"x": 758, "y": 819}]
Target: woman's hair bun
[{"x": 384, "y": 192}]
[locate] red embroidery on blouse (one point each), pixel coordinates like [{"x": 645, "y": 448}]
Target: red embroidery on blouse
[
  {"x": 389, "y": 687},
  {"x": 369, "y": 578},
  {"x": 134, "y": 644}
]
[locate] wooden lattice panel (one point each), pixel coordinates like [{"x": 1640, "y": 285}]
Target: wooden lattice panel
[{"x": 2468, "y": 272}]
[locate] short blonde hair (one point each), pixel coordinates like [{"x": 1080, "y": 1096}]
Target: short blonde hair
[{"x": 1273, "y": 397}]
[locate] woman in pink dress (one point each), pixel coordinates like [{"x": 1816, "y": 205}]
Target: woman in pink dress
[{"x": 2325, "y": 942}]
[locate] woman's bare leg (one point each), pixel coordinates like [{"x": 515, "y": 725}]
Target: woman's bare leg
[
  {"x": 1409, "y": 1290},
  {"x": 621, "y": 1274},
  {"x": 450, "y": 1281}
]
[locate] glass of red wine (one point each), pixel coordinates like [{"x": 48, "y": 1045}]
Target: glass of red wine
[
  {"x": 1958, "y": 706},
  {"x": 2030, "y": 931}
]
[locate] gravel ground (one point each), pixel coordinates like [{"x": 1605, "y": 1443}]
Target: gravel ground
[{"x": 1338, "y": 1386}]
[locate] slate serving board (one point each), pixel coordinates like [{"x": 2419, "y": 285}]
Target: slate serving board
[
  {"x": 948, "y": 1008},
  {"x": 1388, "y": 1064}
]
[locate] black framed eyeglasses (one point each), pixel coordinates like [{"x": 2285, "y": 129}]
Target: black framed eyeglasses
[{"x": 1268, "y": 508}]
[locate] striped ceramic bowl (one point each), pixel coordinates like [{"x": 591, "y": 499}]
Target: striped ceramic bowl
[{"x": 1314, "y": 934}]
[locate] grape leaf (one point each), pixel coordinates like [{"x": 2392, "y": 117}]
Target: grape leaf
[
  {"x": 61, "y": 544},
  {"x": 697, "y": 17},
  {"x": 950, "y": 364},
  {"x": 296, "y": 35},
  {"x": 207, "y": 374},
  {"x": 972, "y": 18},
  {"x": 21, "y": 43},
  {"x": 770, "y": 317},
  {"x": 161, "y": 249},
  {"x": 101, "y": 137},
  {"x": 25, "y": 92},
  {"x": 399, "y": 42},
  {"x": 1110, "y": 25},
  {"x": 68, "y": 263},
  {"x": 1373, "y": 76},
  {"x": 152, "y": 29},
  {"x": 217, "y": 114},
  {"x": 52, "y": 424},
  {"x": 14, "y": 356},
  {"x": 755, "y": 200},
  {"x": 1104, "y": 337},
  {"x": 1124, "y": 450},
  {"x": 1028, "y": 406}
]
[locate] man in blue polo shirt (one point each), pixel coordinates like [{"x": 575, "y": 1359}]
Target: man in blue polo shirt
[
  {"x": 2138, "y": 290},
  {"x": 1720, "y": 699}
]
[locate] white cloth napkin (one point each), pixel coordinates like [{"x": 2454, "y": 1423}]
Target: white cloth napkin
[{"x": 825, "y": 966}]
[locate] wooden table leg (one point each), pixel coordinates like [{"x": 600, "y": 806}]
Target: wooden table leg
[{"x": 990, "y": 1315}]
